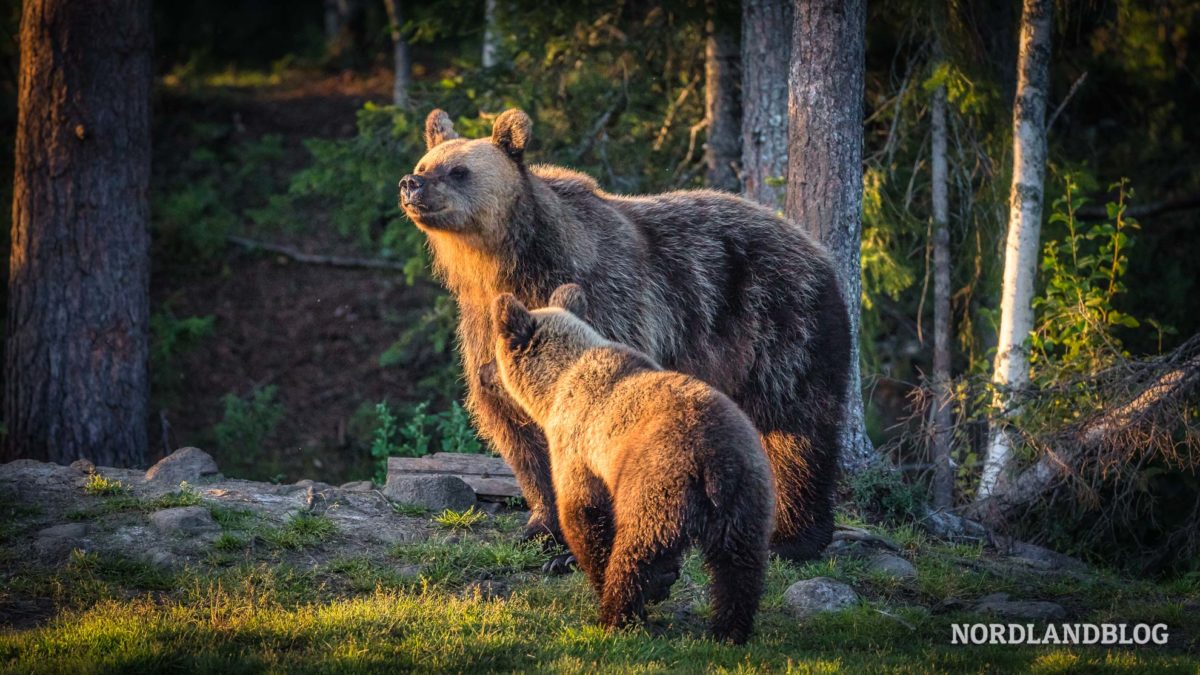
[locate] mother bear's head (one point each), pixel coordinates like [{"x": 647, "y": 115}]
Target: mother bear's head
[{"x": 467, "y": 187}]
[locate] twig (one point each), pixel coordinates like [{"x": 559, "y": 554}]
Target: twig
[
  {"x": 1066, "y": 99},
  {"x": 314, "y": 259}
]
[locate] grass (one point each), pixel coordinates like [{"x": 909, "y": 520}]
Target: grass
[
  {"x": 120, "y": 502},
  {"x": 302, "y": 531},
  {"x": 99, "y": 486},
  {"x": 460, "y": 520},
  {"x": 411, "y": 510}
]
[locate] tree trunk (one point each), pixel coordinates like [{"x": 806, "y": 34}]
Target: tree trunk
[
  {"x": 943, "y": 470},
  {"x": 766, "y": 52},
  {"x": 825, "y": 104},
  {"x": 1011, "y": 371},
  {"x": 75, "y": 368},
  {"x": 722, "y": 147},
  {"x": 491, "y": 35},
  {"x": 401, "y": 66}
]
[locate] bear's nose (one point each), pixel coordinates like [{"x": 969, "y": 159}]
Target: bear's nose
[{"x": 410, "y": 186}]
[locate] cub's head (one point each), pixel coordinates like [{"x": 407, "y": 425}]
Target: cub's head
[
  {"x": 534, "y": 348},
  {"x": 467, "y": 186}
]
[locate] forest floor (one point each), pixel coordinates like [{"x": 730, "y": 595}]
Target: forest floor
[
  {"x": 314, "y": 332},
  {"x": 110, "y": 572}
]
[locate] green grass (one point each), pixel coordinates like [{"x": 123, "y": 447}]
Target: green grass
[
  {"x": 301, "y": 531},
  {"x": 411, "y": 510},
  {"x": 460, "y": 520},
  {"x": 455, "y": 561},
  {"x": 122, "y": 502}
]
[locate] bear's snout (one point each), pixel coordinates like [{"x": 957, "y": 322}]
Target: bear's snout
[{"x": 410, "y": 188}]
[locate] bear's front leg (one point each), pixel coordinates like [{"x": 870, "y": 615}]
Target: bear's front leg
[{"x": 521, "y": 443}]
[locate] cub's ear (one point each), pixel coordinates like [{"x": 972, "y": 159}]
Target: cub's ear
[
  {"x": 571, "y": 298},
  {"x": 438, "y": 128},
  {"x": 512, "y": 132},
  {"x": 512, "y": 321}
]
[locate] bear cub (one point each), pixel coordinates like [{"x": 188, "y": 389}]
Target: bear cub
[{"x": 645, "y": 463}]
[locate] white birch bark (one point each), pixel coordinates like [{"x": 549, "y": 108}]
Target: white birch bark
[
  {"x": 491, "y": 36},
  {"x": 1011, "y": 370}
]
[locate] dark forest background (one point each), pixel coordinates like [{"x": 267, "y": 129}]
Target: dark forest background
[{"x": 276, "y": 151}]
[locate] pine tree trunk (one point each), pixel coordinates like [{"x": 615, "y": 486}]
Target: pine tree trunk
[
  {"x": 824, "y": 193},
  {"x": 491, "y": 35},
  {"x": 1011, "y": 371},
  {"x": 401, "y": 66},
  {"x": 943, "y": 471},
  {"x": 766, "y": 52},
  {"x": 722, "y": 149},
  {"x": 75, "y": 369}
]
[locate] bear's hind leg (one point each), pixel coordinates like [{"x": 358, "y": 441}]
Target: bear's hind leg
[
  {"x": 585, "y": 513},
  {"x": 647, "y": 547},
  {"x": 738, "y": 572},
  {"x": 805, "y": 468}
]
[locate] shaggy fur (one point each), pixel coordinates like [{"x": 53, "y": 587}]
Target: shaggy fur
[
  {"x": 645, "y": 462},
  {"x": 705, "y": 283}
]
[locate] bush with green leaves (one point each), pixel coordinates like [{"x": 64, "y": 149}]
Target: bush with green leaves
[
  {"x": 170, "y": 337},
  {"x": 421, "y": 433},
  {"x": 248, "y": 423},
  {"x": 881, "y": 493}
]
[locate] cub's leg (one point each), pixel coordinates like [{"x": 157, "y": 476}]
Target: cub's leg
[
  {"x": 649, "y": 543},
  {"x": 585, "y": 513},
  {"x": 737, "y": 565},
  {"x": 522, "y": 445}
]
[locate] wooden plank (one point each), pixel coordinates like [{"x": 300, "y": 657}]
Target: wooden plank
[
  {"x": 451, "y": 463},
  {"x": 493, "y": 489}
]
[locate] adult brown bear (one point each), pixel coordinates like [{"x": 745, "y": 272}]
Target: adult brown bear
[{"x": 704, "y": 282}]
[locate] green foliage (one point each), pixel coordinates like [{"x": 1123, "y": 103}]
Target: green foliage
[
  {"x": 354, "y": 181},
  {"x": 248, "y": 423},
  {"x": 460, "y": 520},
  {"x": 430, "y": 340},
  {"x": 411, "y": 510},
  {"x": 170, "y": 337},
  {"x": 421, "y": 433},
  {"x": 302, "y": 531},
  {"x": 99, "y": 486},
  {"x": 882, "y": 493}
]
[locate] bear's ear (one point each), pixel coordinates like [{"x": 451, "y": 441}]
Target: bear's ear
[
  {"x": 512, "y": 132},
  {"x": 571, "y": 298},
  {"x": 512, "y": 321},
  {"x": 438, "y": 128}
]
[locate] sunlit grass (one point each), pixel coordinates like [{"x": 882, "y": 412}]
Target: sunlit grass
[
  {"x": 99, "y": 486},
  {"x": 460, "y": 520}
]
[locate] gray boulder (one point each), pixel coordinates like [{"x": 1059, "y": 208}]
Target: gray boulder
[
  {"x": 434, "y": 492},
  {"x": 357, "y": 486},
  {"x": 185, "y": 464},
  {"x": 59, "y": 540},
  {"x": 184, "y": 520},
  {"x": 810, "y": 597},
  {"x": 891, "y": 565}
]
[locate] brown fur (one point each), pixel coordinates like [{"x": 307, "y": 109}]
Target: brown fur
[
  {"x": 703, "y": 282},
  {"x": 645, "y": 462}
]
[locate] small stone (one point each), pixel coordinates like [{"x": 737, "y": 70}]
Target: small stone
[
  {"x": 807, "y": 598},
  {"x": 59, "y": 540},
  {"x": 357, "y": 486},
  {"x": 434, "y": 492},
  {"x": 185, "y": 464},
  {"x": 83, "y": 466},
  {"x": 314, "y": 485},
  {"x": 162, "y": 558},
  {"x": 890, "y": 565},
  {"x": 184, "y": 520},
  {"x": 1034, "y": 610}
]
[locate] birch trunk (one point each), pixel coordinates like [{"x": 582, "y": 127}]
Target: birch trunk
[
  {"x": 943, "y": 470},
  {"x": 824, "y": 194},
  {"x": 76, "y": 358},
  {"x": 491, "y": 35},
  {"x": 1011, "y": 371},
  {"x": 721, "y": 66},
  {"x": 401, "y": 66},
  {"x": 766, "y": 52}
]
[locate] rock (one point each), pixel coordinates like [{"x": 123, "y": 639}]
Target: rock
[
  {"x": 313, "y": 485},
  {"x": 357, "y": 486},
  {"x": 998, "y": 604},
  {"x": 807, "y": 598},
  {"x": 162, "y": 558},
  {"x": 184, "y": 520},
  {"x": 890, "y": 565},
  {"x": 185, "y": 464},
  {"x": 83, "y": 466},
  {"x": 432, "y": 491},
  {"x": 59, "y": 540},
  {"x": 951, "y": 527}
]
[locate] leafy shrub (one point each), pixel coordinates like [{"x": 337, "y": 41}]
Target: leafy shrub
[
  {"x": 171, "y": 337},
  {"x": 422, "y": 433},
  {"x": 882, "y": 493},
  {"x": 248, "y": 424}
]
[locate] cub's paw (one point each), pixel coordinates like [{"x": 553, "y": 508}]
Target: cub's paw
[{"x": 561, "y": 564}]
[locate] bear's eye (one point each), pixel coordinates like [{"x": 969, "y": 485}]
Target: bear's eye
[
  {"x": 459, "y": 172},
  {"x": 420, "y": 168}
]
